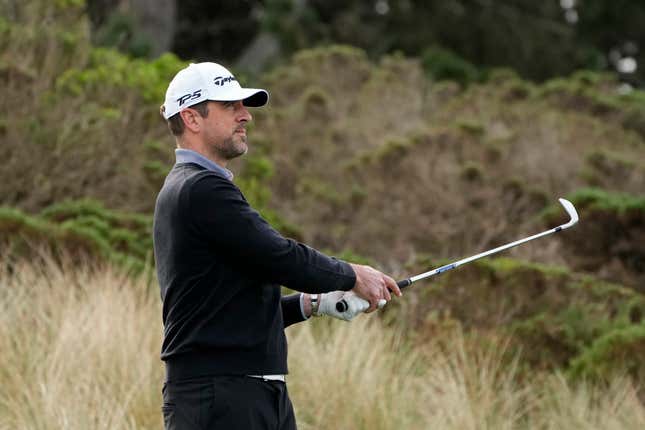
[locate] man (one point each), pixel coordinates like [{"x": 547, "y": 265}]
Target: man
[{"x": 220, "y": 267}]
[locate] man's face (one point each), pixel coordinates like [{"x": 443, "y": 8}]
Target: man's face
[{"x": 224, "y": 130}]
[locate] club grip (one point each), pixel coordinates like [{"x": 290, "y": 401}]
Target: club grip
[
  {"x": 342, "y": 306},
  {"x": 404, "y": 283}
]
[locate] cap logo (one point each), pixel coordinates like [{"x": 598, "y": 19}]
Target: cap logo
[
  {"x": 220, "y": 80},
  {"x": 183, "y": 99}
]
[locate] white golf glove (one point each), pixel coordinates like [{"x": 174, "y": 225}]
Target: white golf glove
[{"x": 355, "y": 305}]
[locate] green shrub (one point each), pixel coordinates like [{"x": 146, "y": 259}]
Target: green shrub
[
  {"x": 597, "y": 94},
  {"x": 607, "y": 237},
  {"x": 82, "y": 228},
  {"x": 16, "y": 225},
  {"x": 120, "y": 32},
  {"x": 616, "y": 353},
  {"x": 109, "y": 69},
  {"x": 472, "y": 171},
  {"x": 597, "y": 199},
  {"x": 471, "y": 127},
  {"x": 551, "y": 314},
  {"x": 320, "y": 191},
  {"x": 391, "y": 149},
  {"x": 443, "y": 64}
]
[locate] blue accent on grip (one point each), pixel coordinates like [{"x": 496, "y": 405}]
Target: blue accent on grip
[{"x": 445, "y": 268}]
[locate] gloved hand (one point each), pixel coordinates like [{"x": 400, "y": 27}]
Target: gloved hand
[{"x": 355, "y": 305}]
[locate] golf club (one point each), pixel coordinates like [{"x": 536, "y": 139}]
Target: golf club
[{"x": 341, "y": 306}]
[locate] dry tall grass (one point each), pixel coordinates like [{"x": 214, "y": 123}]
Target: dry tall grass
[{"x": 79, "y": 350}]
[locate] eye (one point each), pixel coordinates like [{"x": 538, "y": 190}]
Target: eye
[{"x": 228, "y": 104}]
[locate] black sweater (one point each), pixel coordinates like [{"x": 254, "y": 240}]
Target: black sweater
[{"x": 220, "y": 266}]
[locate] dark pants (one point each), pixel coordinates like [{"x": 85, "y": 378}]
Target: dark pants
[{"x": 227, "y": 402}]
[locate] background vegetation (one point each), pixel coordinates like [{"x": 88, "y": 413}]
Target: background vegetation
[
  {"x": 80, "y": 350},
  {"x": 540, "y": 40},
  {"x": 401, "y": 158}
]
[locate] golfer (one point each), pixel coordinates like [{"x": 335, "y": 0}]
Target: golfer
[{"x": 220, "y": 266}]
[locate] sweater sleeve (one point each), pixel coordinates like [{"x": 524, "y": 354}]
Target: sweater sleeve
[
  {"x": 236, "y": 231},
  {"x": 291, "y": 312}
]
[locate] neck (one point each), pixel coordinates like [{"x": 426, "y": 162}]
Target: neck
[{"x": 201, "y": 149}]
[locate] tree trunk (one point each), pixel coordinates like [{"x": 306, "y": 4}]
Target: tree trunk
[{"x": 156, "y": 20}]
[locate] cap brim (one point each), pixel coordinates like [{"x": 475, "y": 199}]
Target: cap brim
[
  {"x": 257, "y": 99},
  {"x": 251, "y": 97}
]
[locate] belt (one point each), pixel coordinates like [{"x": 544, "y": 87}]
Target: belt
[{"x": 280, "y": 378}]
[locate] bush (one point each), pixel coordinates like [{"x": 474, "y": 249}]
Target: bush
[
  {"x": 88, "y": 113},
  {"x": 552, "y": 315},
  {"x": 82, "y": 229},
  {"x": 442, "y": 64},
  {"x": 616, "y": 353},
  {"x": 597, "y": 93}
]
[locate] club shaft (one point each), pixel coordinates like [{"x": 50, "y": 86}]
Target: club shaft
[
  {"x": 342, "y": 306},
  {"x": 481, "y": 255}
]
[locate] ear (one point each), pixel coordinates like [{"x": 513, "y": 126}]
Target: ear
[{"x": 191, "y": 120}]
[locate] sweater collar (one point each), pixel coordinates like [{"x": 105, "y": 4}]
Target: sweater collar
[{"x": 190, "y": 156}]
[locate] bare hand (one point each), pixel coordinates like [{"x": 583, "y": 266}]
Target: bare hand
[{"x": 373, "y": 285}]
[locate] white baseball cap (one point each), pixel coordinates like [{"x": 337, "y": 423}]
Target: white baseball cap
[{"x": 208, "y": 81}]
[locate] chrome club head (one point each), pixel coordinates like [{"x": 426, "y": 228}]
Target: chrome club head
[{"x": 568, "y": 206}]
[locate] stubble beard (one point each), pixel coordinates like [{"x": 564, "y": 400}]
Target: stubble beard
[{"x": 233, "y": 147}]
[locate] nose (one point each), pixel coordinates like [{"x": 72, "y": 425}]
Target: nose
[{"x": 243, "y": 113}]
